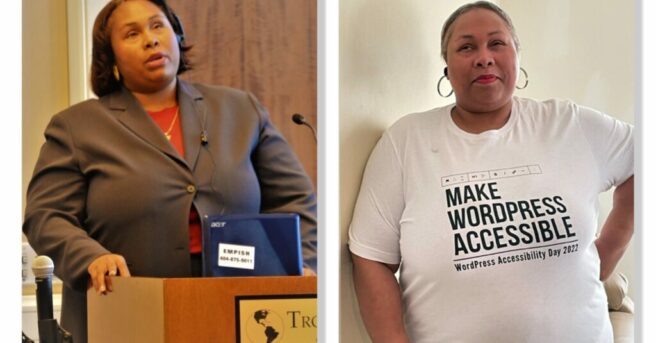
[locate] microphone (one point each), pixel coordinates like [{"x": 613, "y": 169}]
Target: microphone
[
  {"x": 300, "y": 120},
  {"x": 49, "y": 330},
  {"x": 42, "y": 267}
]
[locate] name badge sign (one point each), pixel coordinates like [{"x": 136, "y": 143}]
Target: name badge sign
[{"x": 236, "y": 256}]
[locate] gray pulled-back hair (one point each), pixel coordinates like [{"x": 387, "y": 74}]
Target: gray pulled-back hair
[{"x": 447, "y": 29}]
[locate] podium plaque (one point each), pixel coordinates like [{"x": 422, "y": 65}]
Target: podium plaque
[{"x": 234, "y": 309}]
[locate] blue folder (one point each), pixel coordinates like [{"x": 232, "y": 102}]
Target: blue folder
[{"x": 252, "y": 245}]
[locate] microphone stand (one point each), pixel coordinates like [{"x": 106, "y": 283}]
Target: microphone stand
[{"x": 49, "y": 330}]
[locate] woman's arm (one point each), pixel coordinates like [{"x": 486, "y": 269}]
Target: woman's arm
[
  {"x": 617, "y": 230},
  {"x": 379, "y": 297},
  {"x": 284, "y": 184},
  {"x": 55, "y": 211}
]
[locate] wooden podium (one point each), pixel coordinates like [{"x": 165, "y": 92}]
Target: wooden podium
[{"x": 173, "y": 310}]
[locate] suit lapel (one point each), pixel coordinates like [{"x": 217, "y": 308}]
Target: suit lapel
[
  {"x": 192, "y": 112},
  {"x": 131, "y": 114}
]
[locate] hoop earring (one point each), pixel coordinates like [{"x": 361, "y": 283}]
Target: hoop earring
[
  {"x": 526, "y": 76},
  {"x": 438, "y": 88},
  {"x": 117, "y": 75}
]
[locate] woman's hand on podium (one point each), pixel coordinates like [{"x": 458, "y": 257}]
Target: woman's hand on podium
[
  {"x": 308, "y": 272},
  {"x": 103, "y": 266}
]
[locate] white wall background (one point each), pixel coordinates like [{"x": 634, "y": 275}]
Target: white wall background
[{"x": 390, "y": 62}]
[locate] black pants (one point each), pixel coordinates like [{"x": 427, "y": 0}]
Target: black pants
[{"x": 197, "y": 265}]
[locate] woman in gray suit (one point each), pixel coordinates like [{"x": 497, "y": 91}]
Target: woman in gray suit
[{"x": 121, "y": 181}]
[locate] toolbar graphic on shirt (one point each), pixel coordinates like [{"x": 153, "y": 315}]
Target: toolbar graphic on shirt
[{"x": 490, "y": 175}]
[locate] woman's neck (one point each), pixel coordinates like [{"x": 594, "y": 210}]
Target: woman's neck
[
  {"x": 477, "y": 122},
  {"x": 159, "y": 100}
]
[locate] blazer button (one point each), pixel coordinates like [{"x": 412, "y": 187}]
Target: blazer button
[{"x": 191, "y": 189}]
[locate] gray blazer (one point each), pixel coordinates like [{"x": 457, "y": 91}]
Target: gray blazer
[{"x": 108, "y": 181}]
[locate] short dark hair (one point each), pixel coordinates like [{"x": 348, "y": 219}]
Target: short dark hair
[
  {"x": 446, "y": 29},
  {"x": 102, "y": 56}
]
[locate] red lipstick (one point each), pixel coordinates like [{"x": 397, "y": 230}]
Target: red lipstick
[{"x": 487, "y": 78}]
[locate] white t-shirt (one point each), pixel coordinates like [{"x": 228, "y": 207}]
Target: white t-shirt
[{"x": 495, "y": 231}]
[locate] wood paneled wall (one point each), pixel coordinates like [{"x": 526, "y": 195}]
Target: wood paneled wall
[{"x": 267, "y": 47}]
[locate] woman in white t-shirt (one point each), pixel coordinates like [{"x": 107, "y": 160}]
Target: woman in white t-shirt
[{"x": 489, "y": 207}]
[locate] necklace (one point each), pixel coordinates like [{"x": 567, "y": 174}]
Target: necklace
[{"x": 168, "y": 132}]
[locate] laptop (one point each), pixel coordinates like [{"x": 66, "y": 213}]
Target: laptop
[{"x": 252, "y": 245}]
